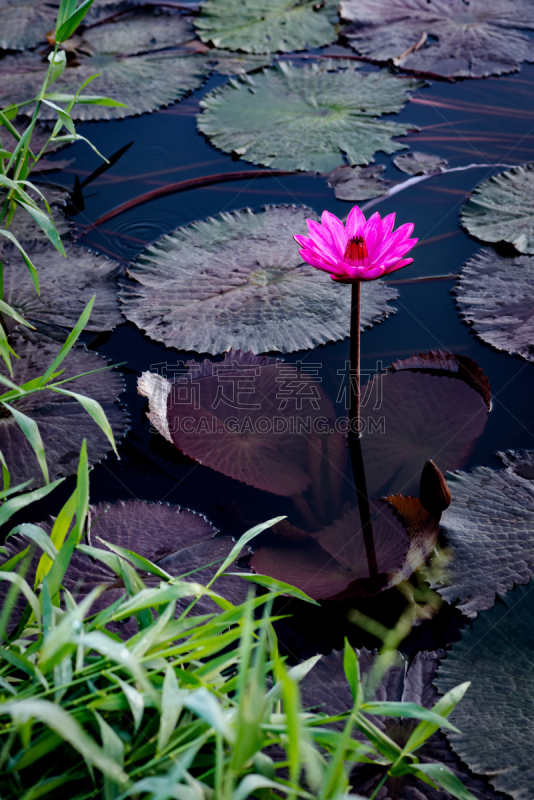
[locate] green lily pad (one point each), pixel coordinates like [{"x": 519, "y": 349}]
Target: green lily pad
[
  {"x": 359, "y": 183},
  {"x": 61, "y": 420},
  {"x": 488, "y": 527},
  {"x": 229, "y": 63},
  {"x": 257, "y": 26},
  {"x": 456, "y": 38},
  {"x": 237, "y": 281},
  {"x": 312, "y": 118},
  {"x": 496, "y": 716},
  {"x": 501, "y": 209},
  {"x": 66, "y": 284},
  {"x": 495, "y": 296},
  {"x": 420, "y": 163},
  {"x": 128, "y": 55}
]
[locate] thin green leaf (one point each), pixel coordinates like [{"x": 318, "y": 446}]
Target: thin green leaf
[
  {"x": 25, "y": 256},
  {"x": 443, "y": 707},
  {"x": 276, "y": 586},
  {"x": 243, "y": 540},
  {"x": 46, "y": 224},
  {"x": 37, "y": 535},
  {"x": 31, "y": 431},
  {"x": 71, "y": 339},
  {"x": 442, "y": 776},
  {"x": 65, "y": 30},
  {"x": 408, "y": 711},
  {"x": 95, "y": 410}
]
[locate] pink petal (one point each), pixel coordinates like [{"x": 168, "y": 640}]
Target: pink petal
[
  {"x": 398, "y": 265},
  {"x": 311, "y": 258},
  {"x": 387, "y": 225},
  {"x": 337, "y": 230},
  {"x": 303, "y": 241},
  {"x": 355, "y": 223},
  {"x": 372, "y": 228},
  {"x": 323, "y": 240}
]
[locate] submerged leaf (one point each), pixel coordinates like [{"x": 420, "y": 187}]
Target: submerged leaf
[
  {"x": 67, "y": 285},
  {"x": 447, "y": 37},
  {"x": 307, "y": 118},
  {"x": 494, "y": 295},
  {"x": 496, "y": 716},
  {"x": 242, "y": 417},
  {"x": 325, "y": 689},
  {"x": 501, "y": 209},
  {"x": 489, "y": 530},
  {"x": 256, "y": 26},
  {"x": 237, "y": 281},
  {"x": 61, "y": 420},
  {"x": 132, "y": 66},
  {"x": 332, "y": 562},
  {"x": 420, "y": 163},
  {"x": 359, "y": 183},
  {"x": 432, "y": 406}
]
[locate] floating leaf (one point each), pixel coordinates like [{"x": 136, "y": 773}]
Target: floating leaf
[
  {"x": 422, "y": 528},
  {"x": 332, "y": 562},
  {"x": 420, "y": 163},
  {"x": 501, "y": 209},
  {"x": 24, "y": 23},
  {"x": 359, "y": 183},
  {"x": 179, "y": 540},
  {"x": 496, "y": 715},
  {"x": 494, "y": 295},
  {"x": 325, "y": 689},
  {"x": 127, "y": 55},
  {"x": 228, "y": 63},
  {"x": 24, "y": 227},
  {"x": 258, "y": 27},
  {"x": 447, "y": 38},
  {"x": 67, "y": 285},
  {"x": 489, "y": 530},
  {"x": 237, "y": 280},
  {"x": 242, "y": 418},
  {"x": 432, "y": 406},
  {"x": 61, "y": 420},
  {"x": 307, "y": 118}
]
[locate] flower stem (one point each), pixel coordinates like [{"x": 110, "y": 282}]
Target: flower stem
[{"x": 354, "y": 436}]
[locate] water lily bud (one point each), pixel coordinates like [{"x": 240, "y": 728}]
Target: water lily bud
[{"x": 434, "y": 492}]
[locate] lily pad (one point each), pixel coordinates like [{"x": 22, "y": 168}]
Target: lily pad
[
  {"x": 450, "y": 37},
  {"x": 315, "y": 118},
  {"x": 495, "y": 296},
  {"x": 325, "y": 688},
  {"x": 24, "y": 227},
  {"x": 237, "y": 281},
  {"x": 359, "y": 183},
  {"x": 61, "y": 420},
  {"x": 238, "y": 417},
  {"x": 129, "y": 58},
  {"x": 432, "y": 406},
  {"x": 67, "y": 285},
  {"x": 332, "y": 563},
  {"x": 228, "y": 63},
  {"x": 24, "y": 23},
  {"x": 257, "y": 26},
  {"x": 489, "y": 530},
  {"x": 420, "y": 163},
  {"x": 501, "y": 209},
  {"x": 496, "y": 715},
  {"x": 179, "y": 540}
]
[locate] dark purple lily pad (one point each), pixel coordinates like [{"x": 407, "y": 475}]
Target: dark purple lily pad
[
  {"x": 127, "y": 54},
  {"x": 179, "y": 540},
  {"x": 244, "y": 418},
  {"x": 237, "y": 280},
  {"x": 24, "y": 23},
  {"x": 496, "y": 715},
  {"x": 446, "y": 37},
  {"x": 332, "y": 562},
  {"x": 61, "y": 420},
  {"x": 432, "y": 407},
  {"x": 489, "y": 530},
  {"x": 66, "y": 284},
  {"x": 325, "y": 688},
  {"x": 495, "y": 296},
  {"x": 359, "y": 183}
]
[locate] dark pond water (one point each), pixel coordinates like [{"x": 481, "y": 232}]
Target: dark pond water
[{"x": 482, "y": 122}]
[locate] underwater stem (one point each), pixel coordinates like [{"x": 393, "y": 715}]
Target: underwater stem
[{"x": 355, "y": 445}]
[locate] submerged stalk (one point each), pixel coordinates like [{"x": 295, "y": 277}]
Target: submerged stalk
[{"x": 354, "y": 435}]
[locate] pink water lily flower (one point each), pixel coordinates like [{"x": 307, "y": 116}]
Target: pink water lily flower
[{"x": 361, "y": 250}]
